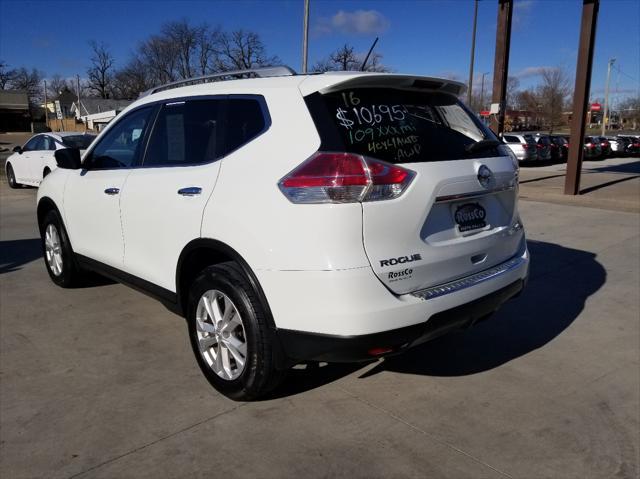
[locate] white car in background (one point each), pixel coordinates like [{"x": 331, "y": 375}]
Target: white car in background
[
  {"x": 523, "y": 146},
  {"x": 29, "y": 164}
]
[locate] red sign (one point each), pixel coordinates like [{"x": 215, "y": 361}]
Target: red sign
[
  {"x": 596, "y": 107},
  {"x": 484, "y": 113}
]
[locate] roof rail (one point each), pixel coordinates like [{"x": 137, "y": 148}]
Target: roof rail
[{"x": 275, "y": 71}]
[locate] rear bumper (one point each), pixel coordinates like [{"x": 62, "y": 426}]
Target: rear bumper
[
  {"x": 303, "y": 346},
  {"x": 341, "y": 315}
]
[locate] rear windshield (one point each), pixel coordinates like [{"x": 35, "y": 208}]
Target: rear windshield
[
  {"x": 81, "y": 142},
  {"x": 399, "y": 126},
  {"x": 544, "y": 140},
  {"x": 529, "y": 139}
]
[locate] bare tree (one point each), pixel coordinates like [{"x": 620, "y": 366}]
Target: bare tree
[
  {"x": 374, "y": 64},
  {"x": 6, "y": 75},
  {"x": 184, "y": 38},
  {"x": 31, "y": 81},
  {"x": 552, "y": 96},
  {"x": 629, "y": 110},
  {"x": 512, "y": 88},
  {"x": 345, "y": 59},
  {"x": 100, "y": 74},
  {"x": 131, "y": 80},
  {"x": 55, "y": 85},
  {"x": 182, "y": 50},
  {"x": 159, "y": 54},
  {"x": 241, "y": 50}
]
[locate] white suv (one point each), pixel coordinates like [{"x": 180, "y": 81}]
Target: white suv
[{"x": 292, "y": 218}]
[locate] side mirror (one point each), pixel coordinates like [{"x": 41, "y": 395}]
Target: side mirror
[
  {"x": 69, "y": 158},
  {"x": 17, "y": 149}
]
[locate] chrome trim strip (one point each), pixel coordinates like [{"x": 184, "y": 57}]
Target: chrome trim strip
[
  {"x": 469, "y": 281},
  {"x": 474, "y": 194}
]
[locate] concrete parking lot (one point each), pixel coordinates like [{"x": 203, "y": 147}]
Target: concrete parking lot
[{"x": 101, "y": 382}]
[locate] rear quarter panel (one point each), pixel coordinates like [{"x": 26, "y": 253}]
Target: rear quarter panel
[{"x": 248, "y": 212}]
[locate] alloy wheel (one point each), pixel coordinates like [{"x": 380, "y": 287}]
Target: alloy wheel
[
  {"x": 53, "y": 249},
  {"x": 221, "y": 336}
]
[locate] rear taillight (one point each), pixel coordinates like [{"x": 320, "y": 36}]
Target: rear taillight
[
  {"x": 329, "y": 177},
  {"x": 524, "y": 146}
]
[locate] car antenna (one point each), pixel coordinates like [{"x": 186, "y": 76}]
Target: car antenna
[{"x": 364, "y": 63}]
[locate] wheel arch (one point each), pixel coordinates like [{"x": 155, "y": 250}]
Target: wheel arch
[
  {"x": 203, "y": 252},
  {"x": 46, "y": 204}
]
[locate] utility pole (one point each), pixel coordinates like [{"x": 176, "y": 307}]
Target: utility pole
[
  {"x": 482, "y": 91},
  {"x": 78, "y": 105},
  {"x": 606, "y": 97},
  {"x": 305, "y": 36},
  {"x": 501, "y": 64},
  {"x": 46, "y": 109},
  {"x": 473, "y": 51},
  {"x": 581, "y": 95}
]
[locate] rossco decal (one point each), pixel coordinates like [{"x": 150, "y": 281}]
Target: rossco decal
[{"x": 393, "y": 276}]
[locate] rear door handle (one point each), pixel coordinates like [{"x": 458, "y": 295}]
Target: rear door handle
[
  {"x": 112, "y": 191},
  {"x": 190, "y": 191}
]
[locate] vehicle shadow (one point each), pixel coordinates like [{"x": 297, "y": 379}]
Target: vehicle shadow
[
  {"x": 631, "y": 167},
  {"x": 16, "y": 253},
  {"x": 560, "y": 281}
]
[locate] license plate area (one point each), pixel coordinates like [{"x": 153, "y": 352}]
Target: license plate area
[{"x": 470, "y": 216}]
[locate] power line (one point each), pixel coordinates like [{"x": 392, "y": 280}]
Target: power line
[{"x": 620, "y": 72}]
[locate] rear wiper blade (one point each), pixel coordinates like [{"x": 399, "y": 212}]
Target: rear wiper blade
[{"x": 482, "y": 145}]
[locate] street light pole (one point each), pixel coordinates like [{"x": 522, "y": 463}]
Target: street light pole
[
  {"x": 606, "y": 97},
  {"x": 46, "y": 110},
  {"x": 305, "y": 36},
  {"x": 473, "y": 51}
]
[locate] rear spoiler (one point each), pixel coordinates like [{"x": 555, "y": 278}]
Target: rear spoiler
[{"x": 372, "y": 80}]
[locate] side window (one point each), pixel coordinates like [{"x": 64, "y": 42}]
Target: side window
[
  {"x": 511, "y": 139},
  {"x": 121, "y": 146},
  {"x": 185, "y": 133},
  {"x": 32, "y": 144},
  {"x": 245, "y": 121},
  {"x": 49, "y": 143}
]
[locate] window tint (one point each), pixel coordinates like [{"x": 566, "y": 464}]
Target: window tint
[
  {"x": 245, "y": 121},
  {"x": 511, "y": 139},
  {"x": 32, "y": 144},
  {"x": 399, "y": 126},
  {"x": 121, "y": 146},
  {"x": 185, "y": 133}
]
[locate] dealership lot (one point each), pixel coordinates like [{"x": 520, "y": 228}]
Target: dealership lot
[{"x": 101, "y": 382}]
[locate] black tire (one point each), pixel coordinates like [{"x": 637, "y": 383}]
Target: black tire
[
  {"x": 70, "y": 274},
  {"x": 45, "y": 173},
  {"x": 260, "y": 374},
  {"x": 11, "y": 178}
]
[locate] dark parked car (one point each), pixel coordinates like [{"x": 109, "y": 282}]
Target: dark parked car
[
  {"x": 605, "y": 145},
  {"x": 593, "y": 150},
  {"x": 632, "y": 144},
  {"x": 559, "y": 148},
  {"x": 544, "y": 148}
]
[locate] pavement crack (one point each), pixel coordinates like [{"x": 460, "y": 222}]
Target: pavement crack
[
  {"x": 424, "y": 433},
  {"x": 144, "y": 446}
]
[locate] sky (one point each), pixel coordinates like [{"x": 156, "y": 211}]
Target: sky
[{"x": 428, "y": 37}]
